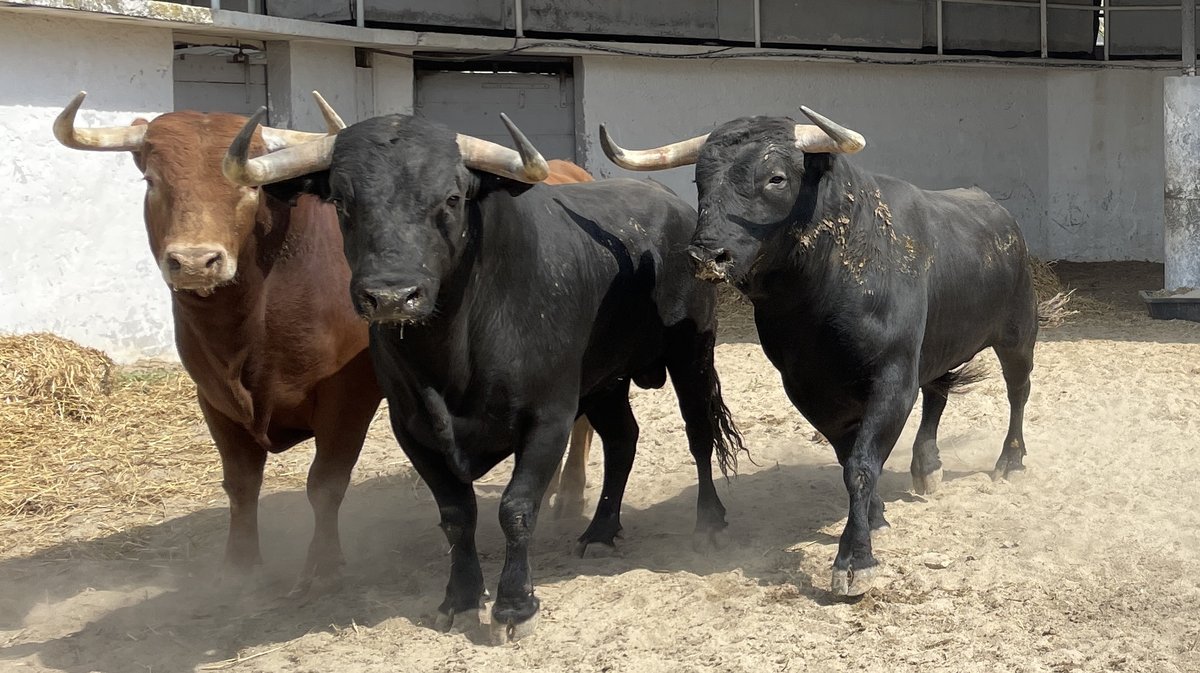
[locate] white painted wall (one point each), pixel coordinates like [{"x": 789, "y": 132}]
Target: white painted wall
[
  {"x": 75, "y": 260},
  {"x": 1048, "y": 144}
]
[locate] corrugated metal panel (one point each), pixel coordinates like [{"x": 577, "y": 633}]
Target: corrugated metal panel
[
  {"x": 311, "y": 10},
  {"x": 696, "y": 19},
  {"x": 894, "y": 24},
  {"x": 542, "y": 105},
  {"x": 1145, "y": 33},
  {"x": 462, "y": 14},
  {"x": 1017, "y": 29}
]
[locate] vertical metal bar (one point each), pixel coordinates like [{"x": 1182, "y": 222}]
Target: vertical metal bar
[
  {"x": 758, "y": 23},
  {"x": 941, "y": 50},
  {"x": 216, "y": 4},
  {"x": 519, "y": 18},
  {"x": 1107, "y": 27},
  {"x": 360, "y": 13},
  {"x": 1188, "y": 13},
  {"x": 1045, "y": 31}
]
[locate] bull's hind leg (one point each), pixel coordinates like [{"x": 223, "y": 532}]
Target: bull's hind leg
[
  {"x": 1017, "y": 364},
  {"x": 339, "y": 441},
  {"x": 569, "y": 499},
  {"x": 926, "y": 466},
  {"x": 613, "y": 420},
  {"x": 708, "y": 425}
]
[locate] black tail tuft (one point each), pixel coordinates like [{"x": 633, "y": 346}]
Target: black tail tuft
[
  {"x": 956, "y": 380},
  {"x": 727, "y": 439}
]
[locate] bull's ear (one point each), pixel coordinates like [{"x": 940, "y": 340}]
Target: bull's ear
[{"x": 289, "y": 191}]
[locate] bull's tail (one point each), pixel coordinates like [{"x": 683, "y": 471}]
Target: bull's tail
[
  {"x": 1053, "y": 312},
  {"x": 957, "y": 380},
  {"x": 727, "y": 439}
]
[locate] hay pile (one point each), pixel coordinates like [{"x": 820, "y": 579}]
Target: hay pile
[
  {"x": 78, "y": 437},
  {"x": 1052, "y": 296}
]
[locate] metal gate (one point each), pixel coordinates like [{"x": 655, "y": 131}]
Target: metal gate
[{"x": 470, "y": 102}]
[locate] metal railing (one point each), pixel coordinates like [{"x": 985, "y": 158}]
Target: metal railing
[{"x": 1186, "y": 9}]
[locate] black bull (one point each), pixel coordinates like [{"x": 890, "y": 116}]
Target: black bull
[
  {"x": 865, "y": 289},
  {"x": 500, "y": 312}
]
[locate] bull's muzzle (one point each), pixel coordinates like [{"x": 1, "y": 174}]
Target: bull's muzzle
[
  {"x": 710, "y": 265},
  {"x": 197, "y": 268},
  {"x": 393, "y": 305}
]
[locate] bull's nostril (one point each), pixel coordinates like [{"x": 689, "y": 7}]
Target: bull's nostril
[
  {"x": 721, "y": 256},
  {"x": 367, "y": 303},
  {"x": 413, "y": 297},
  {"x": 214, "y": 261},
  {"x": 173, "y": 263}
]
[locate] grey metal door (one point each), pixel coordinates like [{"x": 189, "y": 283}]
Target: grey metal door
[{"x": 471, "y": 102}]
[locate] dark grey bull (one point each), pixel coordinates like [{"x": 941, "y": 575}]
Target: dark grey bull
[
  {"x": 865, "y": 289},
  {"x": 500, "y": 312}
]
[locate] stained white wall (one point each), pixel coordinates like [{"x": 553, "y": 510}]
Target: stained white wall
[
  {"x": 1107, "y": 171},
  {"x": 75, "y": 260},
  {"x": 1049, "y": 144}
]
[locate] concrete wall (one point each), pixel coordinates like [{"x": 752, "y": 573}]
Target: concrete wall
[
  {"x": 1048, "y": 144},
  {"x": 75, "y": 260},
  {"x": 295, "y": 69},
  {"x": 1106, "y": 168},
  {"x": 392, "y": 78}
]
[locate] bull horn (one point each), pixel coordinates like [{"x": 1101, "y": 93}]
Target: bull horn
[
  {"x": 333, "y": 121},
  {"x": 107, "y": 139},
  {"x": 827, "y": 136},
  {"x": 525, "y": 164},
  {"x": 289, "y": 162},
  {"x": 682, "y": 153}
]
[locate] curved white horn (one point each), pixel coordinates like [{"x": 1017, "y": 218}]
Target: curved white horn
[
  {"x": 682, "y": 153},
  {"x": 100, "y": 139}
]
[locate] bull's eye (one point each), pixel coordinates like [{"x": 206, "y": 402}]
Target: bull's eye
[
  {"x": 777, "y": 179},
  {"x": 453, "y": 200}
]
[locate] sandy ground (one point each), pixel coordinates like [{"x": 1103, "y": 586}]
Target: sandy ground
[{"x": 1088, "y": 563}]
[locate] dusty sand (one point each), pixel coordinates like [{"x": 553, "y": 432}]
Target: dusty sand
[{"x": 1088, "y": 563}]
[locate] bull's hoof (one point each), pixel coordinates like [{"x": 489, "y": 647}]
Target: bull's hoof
[
  {"x": 927, "y": 484},
  {"x": 598, "y": 549},
  {"x": 601, "y": 531},
  {"x": 713, "y": 539},
  {"x": 502, "y": 633},
  {"x": 1006, "y": 471},
  {"x": 569, "y": 508},
  {"x": 882, "y": 530},
  {"x": 461, "y": 621},
  {"x": 308, "y": 587},
  {"x": 853, "y": 582}
]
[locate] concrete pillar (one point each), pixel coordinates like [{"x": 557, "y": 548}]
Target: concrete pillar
[
  {"x": 295, "y": 69},
  {"x": 1181, "y": 135}
]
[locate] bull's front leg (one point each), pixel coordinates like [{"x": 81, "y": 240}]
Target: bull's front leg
[
  {"x": 515, "y": 612},
  {"x": 862, "y": 455},
  {"x": 242, "y": 463}
]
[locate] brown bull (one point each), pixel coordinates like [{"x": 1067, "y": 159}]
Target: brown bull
[{"x": 263, "y": 321}]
